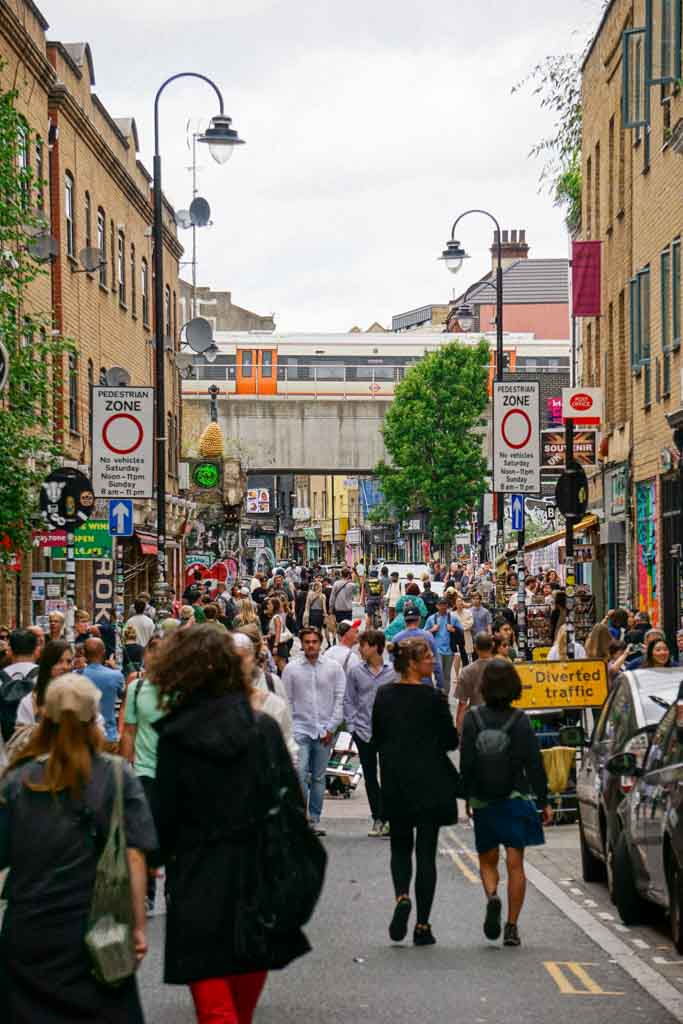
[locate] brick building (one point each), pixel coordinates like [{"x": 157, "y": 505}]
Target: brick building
[
  {"x": 97, "y": 195},
  {"x": 631, "y": 203}
]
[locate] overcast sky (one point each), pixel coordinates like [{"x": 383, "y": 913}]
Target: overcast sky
[{"x": 370, "y": 124}]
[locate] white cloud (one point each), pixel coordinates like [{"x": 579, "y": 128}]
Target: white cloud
[{"x": 369, "y": 126}]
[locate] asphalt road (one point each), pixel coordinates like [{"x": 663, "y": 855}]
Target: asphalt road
[{"x": 356, "y": 974}]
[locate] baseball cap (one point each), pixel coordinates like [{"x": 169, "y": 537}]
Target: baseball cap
[
  {"x": 346, "y": 624},
  {"x": 410, "y": 613},
  {"x": 72, "y": 692},
  {"x": 244, "y": 592}
]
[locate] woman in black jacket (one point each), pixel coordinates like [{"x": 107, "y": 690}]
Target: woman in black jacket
[
  {"x": 413, "y": 729},
  {"x": 219, "y": 766},
  {"x": 503, "y": 777}
]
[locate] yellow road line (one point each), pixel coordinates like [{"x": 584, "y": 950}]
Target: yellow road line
[
  {"x": 559, "y": 971},
  {"x": 460, "y": 863}
]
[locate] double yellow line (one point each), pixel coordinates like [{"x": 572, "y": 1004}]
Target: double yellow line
[{"x": 460, "y": 862}]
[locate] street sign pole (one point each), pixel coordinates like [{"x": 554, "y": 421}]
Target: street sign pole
[
  {"x": 570, "y": 567},
  {"x": 521, "y": 596}
]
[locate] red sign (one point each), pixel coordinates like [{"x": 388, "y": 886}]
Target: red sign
[
  {"x": 49, "y": 538},
  {"x": 582, "y": 405},
  {"x": 586, "y": 278}
]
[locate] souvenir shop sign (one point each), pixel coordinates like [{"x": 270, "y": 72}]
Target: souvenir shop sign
[
  {"x": 554, "y": 448},
  {"x": 562, "y": 684}
]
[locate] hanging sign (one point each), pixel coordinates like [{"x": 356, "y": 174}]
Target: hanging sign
[{"x": 123, "y": 442}]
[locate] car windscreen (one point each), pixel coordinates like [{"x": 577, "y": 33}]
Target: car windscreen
[{"x": 652, "y": 710}]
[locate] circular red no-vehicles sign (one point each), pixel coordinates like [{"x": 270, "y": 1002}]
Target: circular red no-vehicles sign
[
  {"x": 122, "y": 433},
  {"x": 516, "y": 428}
]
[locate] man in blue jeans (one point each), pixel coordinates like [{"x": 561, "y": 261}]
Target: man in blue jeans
[{"x": 315, "y": 689}]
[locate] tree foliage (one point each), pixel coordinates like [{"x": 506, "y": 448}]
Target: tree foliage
[
  {"x": 433, "y": 434},
  {"x": 27, "y": 450}
]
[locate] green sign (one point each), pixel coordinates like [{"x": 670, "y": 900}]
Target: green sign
[
  {"x": 91, "y": 541},
  {"x": 206, "y": 474}
]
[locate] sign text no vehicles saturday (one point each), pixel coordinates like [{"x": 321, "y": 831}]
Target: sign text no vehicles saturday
[
  {"x": 516, "y": 437},
  {"x": 123, "y": 442},
  {"x": 562, "y": 684}
]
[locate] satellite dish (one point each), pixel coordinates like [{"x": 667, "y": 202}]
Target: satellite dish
[
  {"x": 184, "y": 360},
  {"x": 198, "y": 334},
  {"x": 91, "y": 258},
  {"x": 200, "y": 212},
  {"x": 43, "y": 248},
  {"x": 183, "y": 219},
  {"x": 117, "y": 377}
]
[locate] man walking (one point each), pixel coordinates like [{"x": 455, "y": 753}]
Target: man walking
[
  {"x": 468, "y": 689},
  {"x": 343, "y": 652},
  {"x": 442, "y": 626},
  {"x": 315, "y": 690},
  {"x": 141, "y": 622},
  {"x": 362, "y": 683},
  {"x": 481, "y": 616},
  {"x": 341, "y": 598},
  {"x": 394, "y": 592},
  {"x": 110, "y": 683},
  {"x": 412, "y": 631}
]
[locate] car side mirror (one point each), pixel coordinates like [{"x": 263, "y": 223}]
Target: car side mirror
[
  {"x": 572, "y": 736},
  {"x": 623, "y": 764}
]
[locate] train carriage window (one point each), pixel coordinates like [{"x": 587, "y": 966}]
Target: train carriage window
[
  {"x": 247, "y": 362},
  {"x": 266, "y": 363},
  {"x": 231, "y": 367},
  {"x": 329, "y": 371}
]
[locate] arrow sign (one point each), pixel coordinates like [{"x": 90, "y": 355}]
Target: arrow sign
[
  {"x": 121, "y": 518},
  {"x": 517, "y": 508}
]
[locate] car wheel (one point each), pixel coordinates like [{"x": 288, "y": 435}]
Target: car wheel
[
  {"x": 675, "y": 880},
  {"x": 592, "y": 867},
  {"x": 630, "y": 903}
]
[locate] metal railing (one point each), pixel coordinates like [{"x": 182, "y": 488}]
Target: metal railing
[{"x": 310, "y": 379}]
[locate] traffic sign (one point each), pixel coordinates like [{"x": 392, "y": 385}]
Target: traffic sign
[
  {"x": 516, "y": 437},
  {"x": 582, "y": 405},
  {"x": 4, "y": 366},
  {"x": 121, "y": 518},
  {"x": 123, "y": 442},
  {"x": 517, "y": 509},
  {"x": 67, "y": 498},
  {"x": 571, "y": 492}
]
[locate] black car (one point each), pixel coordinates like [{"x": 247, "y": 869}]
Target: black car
[
  {"x": 648, "y": 855},
  {"x": 628, "y": 717}
]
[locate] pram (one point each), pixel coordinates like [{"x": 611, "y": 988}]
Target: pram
[{"x": 343, "y": 770}]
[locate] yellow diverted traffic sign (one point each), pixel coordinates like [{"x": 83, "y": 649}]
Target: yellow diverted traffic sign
[{"x": 562, "y": 684}]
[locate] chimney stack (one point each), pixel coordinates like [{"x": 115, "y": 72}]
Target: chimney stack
[{"x": 514, "y": 246}]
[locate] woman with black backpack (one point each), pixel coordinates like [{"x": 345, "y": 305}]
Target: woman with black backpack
[{"x": 504, "y": 779}]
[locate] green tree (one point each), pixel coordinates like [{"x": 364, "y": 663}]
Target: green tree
[
  {"x": 433, "y": 434},
  {"x": 27, "y": 449}
]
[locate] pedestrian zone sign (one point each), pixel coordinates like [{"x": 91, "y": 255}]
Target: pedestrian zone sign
[
  {"x": 562, "y": 684},
  {"x": 123, "y": 442},
  {"x": 516, "y": 437}
]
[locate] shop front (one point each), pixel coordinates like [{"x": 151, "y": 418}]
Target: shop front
[
  {"x": 672, "y": 581},
  {"x": 613, "y": 537},
  {"x": 312, "y": 540},
  {"x": 647, "y": 596}
]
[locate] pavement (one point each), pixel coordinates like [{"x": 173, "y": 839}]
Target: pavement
[{"x": 577, "y": 962}]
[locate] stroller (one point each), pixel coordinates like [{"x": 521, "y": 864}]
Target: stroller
[{"x": 343, "y": 771}]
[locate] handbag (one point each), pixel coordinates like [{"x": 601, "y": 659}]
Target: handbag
[
  {"x": 457, "y": 639},
  {"x": 109, "y": 934}
]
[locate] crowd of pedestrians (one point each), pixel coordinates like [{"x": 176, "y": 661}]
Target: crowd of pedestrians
[{"x": 224, "y": 715}]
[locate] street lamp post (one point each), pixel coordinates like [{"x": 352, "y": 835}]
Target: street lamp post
[
  {"x": 453, "y": 256},
  {"x": 221, "y": 139}
]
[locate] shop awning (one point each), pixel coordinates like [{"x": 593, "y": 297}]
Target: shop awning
[
  {"x": 148, "y": 543},
  {"x": 587, "y": 523}
]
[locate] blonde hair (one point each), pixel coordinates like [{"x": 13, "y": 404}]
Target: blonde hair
[
  {"x": 246, "y": 611},
  {"x": 130, "y": 633}
]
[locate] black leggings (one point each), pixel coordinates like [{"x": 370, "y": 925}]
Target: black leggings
[{"x": 424, "y": 838}]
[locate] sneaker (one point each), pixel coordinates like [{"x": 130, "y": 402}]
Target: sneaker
[
  {"x": 386, "y": 830},
  {"x": 423, "y": 936},
  {"x": 398, "y": 927},
  {"x": 376, "y": 829},
  {"x": 511, "y": 935},
  {"x": 492, "y": 920}
]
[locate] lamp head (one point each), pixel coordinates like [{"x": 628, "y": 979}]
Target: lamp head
[
  {"x": 465, "y": 317},
  {"x": 453, "y": 256},
  {"x": 221, "y": 138}
]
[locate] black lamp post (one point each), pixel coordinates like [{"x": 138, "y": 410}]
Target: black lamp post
[
  {"x": 221, "y": 139},
  {"x": 454, "y": 256}
]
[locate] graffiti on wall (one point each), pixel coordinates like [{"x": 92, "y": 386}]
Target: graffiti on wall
[
  {"x": 212, "y": 545},
  {"x": 646, "y": 548}
]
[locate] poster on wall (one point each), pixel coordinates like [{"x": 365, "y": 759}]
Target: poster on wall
[
  {"x": 258, "y": 500},
  {"x": 646, "y": 549}
]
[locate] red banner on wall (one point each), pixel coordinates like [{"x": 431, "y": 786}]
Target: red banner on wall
[{"x": 586, "y": 291}]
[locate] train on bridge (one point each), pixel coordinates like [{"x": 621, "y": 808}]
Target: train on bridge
[{"x": 347, "y": 366}]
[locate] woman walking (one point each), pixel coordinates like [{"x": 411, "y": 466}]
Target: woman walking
[
  {"x": 278, "y": 634},
  {"x": 419, "y": 794},
  {"x": 463, "y": 616},
  {"x": 218, "y": 766},
  {"x": 55, "y": 811},
  {"x": 503, "y": 776},
  {"x": 315, "y": 609}
]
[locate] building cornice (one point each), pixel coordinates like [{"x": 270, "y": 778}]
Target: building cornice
[{"x": 20, "y": 41}]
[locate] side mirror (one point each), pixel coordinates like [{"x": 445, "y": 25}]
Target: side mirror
[
  {"x": 623, "y": 764},
  {"x": 572, "y": 736}
]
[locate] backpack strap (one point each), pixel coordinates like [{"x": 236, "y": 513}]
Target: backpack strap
[
  {"x": 511, "y": 721},
  {"x": 478, "y": 719},
  {"x": 136, "y": 696}
]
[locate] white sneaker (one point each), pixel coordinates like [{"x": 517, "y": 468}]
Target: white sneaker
[{"x": 376, "y": 829}]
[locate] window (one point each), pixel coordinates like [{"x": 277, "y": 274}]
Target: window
[
  {"x": 24, "y": 163},
  {"x": 621, "y": 722},
  {"x": 87, "y": 220},
  {"x": 610, "y": 173},
  {"x": 676, "y": 293},
  {"x": 133, "y": 282},
  {"x": 587, "y": 374},
  {"x": 73, "y": 392},
  {"x": 266, "y": 363},
  {"x": 634, "y": 325},
  {"x": 633, "y": 84},
  {"x": 91, "y": 384},
  {"x": 144, "y": 292},
  {"x": 655, "y": 753},
  {"x": 644, "y": 331},
  {"x": 596, "y": 171},
  {"x": 665, "y": 319},
  {"x": 176, "y": 446},
  {"x": 620, "y": 388},
  {"x": 597, "y": 355},
  {"x": 609, "y": 366},
  {"x": 662, "y": 41},
  {"x": 175, "y": 320},
  {"x": 246, "y": 362},
  {"x": 170, "y": 443},
  {"x": 69, "y": 214},
  {"x": 167, "y": 311},
  {"x": 622, "y": 165},
  {"x": 40, "y": 175},
  {"x": 122, "y": 267},
  {"x": 102, "y": 245},
  {"x": 588, "y": 205},
  {"x": 112, "y": 247}
]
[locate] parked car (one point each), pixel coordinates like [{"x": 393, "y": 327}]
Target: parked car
[
  {"x": 628, "y": 717},
  {"x": 648, "y": 855}
]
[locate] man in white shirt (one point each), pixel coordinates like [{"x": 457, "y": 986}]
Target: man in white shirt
[
  {"x": 343, "y": 652},
  {"x": 141, "y": 623},
  {"x": 24, "y": 646}
]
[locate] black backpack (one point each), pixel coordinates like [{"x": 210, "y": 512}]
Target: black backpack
[
  {"x": 13, "y": 689},
  {"x": 494, "y": 766}
]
